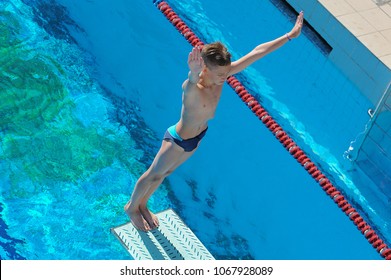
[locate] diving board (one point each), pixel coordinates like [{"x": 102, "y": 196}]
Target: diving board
[{"x": 172, "y": 240}]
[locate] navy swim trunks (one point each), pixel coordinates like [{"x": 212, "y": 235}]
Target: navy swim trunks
[{"x": 187, "y": 144}]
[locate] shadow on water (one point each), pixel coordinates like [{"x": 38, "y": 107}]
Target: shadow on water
[{"x": 7, "y": 242}]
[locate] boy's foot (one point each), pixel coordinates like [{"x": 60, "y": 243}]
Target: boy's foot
[
  {"x": 151, "y": 218},
  {"x": 137, "y": 218}
]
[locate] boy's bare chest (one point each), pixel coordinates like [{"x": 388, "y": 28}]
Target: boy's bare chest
[
  {"x": 208, "y": 102},
  {"x": 209, "y": 99},
  {"x": 201, "y": 104}
]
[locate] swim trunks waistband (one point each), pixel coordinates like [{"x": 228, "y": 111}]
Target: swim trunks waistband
[
  {"x": 172, "y": 131},
  {"x": 187, "y": 144}
]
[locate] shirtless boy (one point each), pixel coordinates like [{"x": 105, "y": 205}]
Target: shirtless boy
[{"x": 209, "y": 68}]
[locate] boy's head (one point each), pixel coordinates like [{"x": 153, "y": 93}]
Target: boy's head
[
  {"x": 217, "y": 60},
  {"x": 215, "y": 54}
]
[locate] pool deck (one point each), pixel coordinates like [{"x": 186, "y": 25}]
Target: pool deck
[{"x": 368, "y": 20}]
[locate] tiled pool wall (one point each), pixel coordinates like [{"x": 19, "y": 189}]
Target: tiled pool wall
[
  {"x": 374, "y": 156},
  {"x": 354, "y": 59},
  {"x": 371, "y": 76}
]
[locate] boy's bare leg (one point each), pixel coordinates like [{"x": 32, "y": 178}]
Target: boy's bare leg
[
  {"x": 132, "y": 207},
  {"x": 148, "y": 215},
  {"x": 168, "y": 157}
]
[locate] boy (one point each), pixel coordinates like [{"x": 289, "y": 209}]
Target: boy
[{"x": 209, "y": 69}]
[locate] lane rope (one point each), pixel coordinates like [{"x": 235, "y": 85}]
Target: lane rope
[{"x": 284, "y": 139}]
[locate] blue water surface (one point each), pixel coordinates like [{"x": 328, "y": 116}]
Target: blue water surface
[{"x": 78, "y": 143}]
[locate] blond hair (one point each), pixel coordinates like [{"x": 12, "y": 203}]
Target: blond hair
[{"x": 215, "y": 54}]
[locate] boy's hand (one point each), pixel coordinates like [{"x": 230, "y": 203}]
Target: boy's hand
[
  {"x": 195, "y": 61},
  {"x": 295, "y": 32}
]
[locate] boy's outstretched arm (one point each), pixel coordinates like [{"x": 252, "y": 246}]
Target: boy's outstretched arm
[{"x": 266, "y": 48}]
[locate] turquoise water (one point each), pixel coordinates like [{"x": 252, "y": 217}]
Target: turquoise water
[
  {"x": 63, "y": 141},
  {"x": 88, "y": 90}
]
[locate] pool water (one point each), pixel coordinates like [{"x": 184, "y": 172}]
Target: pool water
[{"x": 89, "y": 89}]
